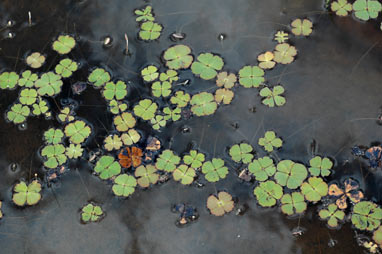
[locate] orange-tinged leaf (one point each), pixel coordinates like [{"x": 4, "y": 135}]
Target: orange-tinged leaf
[
  {"x": 341, "y": 202},
  {"x": 355, "y": 196},
  {"x": 130, "y": 157},
  {"x": 350, "y": 185},
  {"x": 334, "y": 190}
]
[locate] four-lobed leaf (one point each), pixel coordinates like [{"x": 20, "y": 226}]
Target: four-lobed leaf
[
  {"x": 194, "y": 159},
  {"x": 28, "y": 96},
  {"x": 207, "y": 65},
  {"x": 64, "y": 44},
  {"x": 98, "y": 77},
  {"x": 150, "y": 31},
  {"x": 167, "y": 161},
  {"x": 27, "y": 79},
  {"x": 320, "y": 166},
  {"x": 332, "y": 215},
  {"x": 284, "y": 53},
  {"x": 91, "y": 213},
  {"x": 267, "y": 193},
  {"x": 269, "y": 141},
  {"x": 293, "y": 203},
  {"x": 262, "y": 168},
  {"x": 24, "y": 194},
  {"x": 178, "y": 57},
  {"x": 273, "y": 97},
  {"x": 116, "y": 91},
  {"x": 66, "y": 67},
  {"x": 241, "y": 153},
  {"x": 161, "y": 89},
  {"x": 107, "y": 167},
  {"x": 367, "y": 9},
  {"x": 314, "y": 189},
  {"x": 150, "y": 73},
  {"x": 146, "y": 175},
  {"x": 55, "y": 155},
  {"x": 341, "y": 7},
  {"x": 74, "y": 151},
  {"x": 53, "y": 136},
  {"x": 214, "y": 170},
  {"x": 221, "y": 204},
  {"x": 8, "y": 80},
  {"x": 266, "y": 60},
  {"x": 302, "y": 27},
  {"x": 184, "y": 174},
  {"x": 124, "y": 121},
  {"x": 35, "y": 60},
  {"x": 112, "y": 142},
  {"x": 124, "y": 185},
  {"x": 77, "y": 131},
  {"x": 145, "y": 109},
  {"x": 203, "y": 104},
  {"x": 224, "y": 96},
  {"x": 366, "y": 215},
  {"x": 226, "y": 80},
  {"x": 49, "y": 84},
  {"x": 251, "y": 76},
  {"x": 18, "y": 113},
  {"x": 290, "y": 174},
  {"x": 180, "y": 99}
]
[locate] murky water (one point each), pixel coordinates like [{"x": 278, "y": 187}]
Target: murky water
[{"x": 332, "y": 97}]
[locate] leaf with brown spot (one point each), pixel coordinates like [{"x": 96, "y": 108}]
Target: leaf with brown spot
[{"x": 130, "y": 157}]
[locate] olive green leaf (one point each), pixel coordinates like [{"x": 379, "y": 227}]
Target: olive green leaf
[
  {"x": 262, "y": 168},
  {"x": 144, "y": 14},
  {"x": 203, "y": 104},
  {"x": 184, "y": 174},
  {"x": 74, "y": 151},
  {"x": 366, "y": 9},
  {"x": 332, "y": 215},
  {"x": 150, "y": 73},
  {"x": 207, "y": 65},
  {"x": 65, "y": 115},
  {"x": 124, "y": 121},
  {"x": 251, "y": 76},
  {"x": 314, "y": 189},
  {"x": 159, "y": 88},
  {"x": 66, "y": 67},
  {"x": 115, "y": 91},
  {"x": 273, "y": 97},
  {"x": 180, "y": 99},
  {"x": 145, "y": 109},
  {"x": 281, "y": 36},
  {"x": 366, "y": 215},
  {"x": 241, "y": 153},
  {"x": 8, "y": 80},
  {"x": 27, "y": 79},
  {"x": 64, "y": 44},
  {"x": 124, "y": 185},
  {"x": 194, "y": 159},
  {"x": 112, "y": 142},
  {"x": 158, "y": 122},
  {"x": 55, "y": 155},
  {"x": 293, "y": 203},
  {"x": 214, "y": 170},
  {"x": 98, "y": 77},
  {"x": 28, "y": 96},
  {"x": 302, "y": 27},
  {"x": 117, "y": 107},
  {"x": 23, "y": 194},
  {"x": 150, "y": 31},
  {"x": 224, "y": 96},
  {"x": 377, "y": 237},
  {"x": 284, "y": 53},
  {"x": 53, "y": 136},
  {"x": 18, "y": 113},
  {"x": 49, "y": 84},
  {"x": 107, "y": 167},
  {"x": 291, "y": 174},
  {"x": 266, "y": 60},
  {"x": 77, "y": 131},
  {"x": 91, "y": 213},
  {"x": 220, "y": 205},
  {"x": 130, "y": 137},
  {"x": 320, "y": 166},
  {"x": 40, "y": 108},
  {"x": 226, "y": 80},
  {"x": 169, "y": 75},
  {"x": 35, "y": 60},
  {"x": 174, "y": 114},
  {"x": 267, "y": 193},
  {"x": 269, "y": 141},
  {"x": 178, "y": 57},
  {"x": 341, "y": 7},
  {"x": 167, "y": 161},
  {"x": 146, "y": 175}
]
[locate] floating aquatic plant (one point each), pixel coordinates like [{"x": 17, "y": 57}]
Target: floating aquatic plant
[
  {"x": 98, "y": 77},
  {"x": 107, "y": 167},
  {"x": 66, "y": 67},
  {"x": 64, "y": 44},
  {"x": 40, "y": 108},
  {"x": 91, "y": 213},
  {"x": 374, "y": 154},
  {"x": 293, "y": 203},
  {"x": 169, "y": 75},
  {"x": 167, "y": 161},
  {"x": 269, "y": 141},
  {"x": 273, "y": 97},
  {"x": 224, "y": 96},
  {"x": 144, "y": 14},
  {"x": 370, "y": 246},
  {"x": 184, "y": 174},
  {"x": 194, "y": 159},
  {"x": 221, "y": 204},
  {"x": 161, "y": 89},
  {"x": 377, "y": 236},
  {"x": 35, "y": 60},
  {"x": 124, "y": 185},
  {"x": 351, "y": 191},
  {"x": 18, "y": 113},
  {"x": 112, "y": 142},
  {"x": 332, "y": 215},
  {"x": 226, "y": 80},
  {"x": 124, "y": 121},
  {"x": 320, "y": 166},
  {"x": 130, "y": 137},
  {"x": 178, "y": 57},
  {"x": 241, "y": 153},
  {"x": 158, "y": 122},
  {"x": 314, "y": 189},
  {"x": 116, "y": 91},
  {"x": 53, "y": 136},
  {"x": 8, "y": 80},
  {"x": 262, "y": 168},
  {"x": 251, "y": 76},
  {"x": 366, "y": 215},
  {"x": 49, "y": 84},
  {"x": 180, "y": 99},
  {"x": 284, "y": 53},
  {"x": 341, "y": 7},
  {"x": 366, "y": 9},
  {"x": 207, "y": 65},
  {"x": 130, "y": 156},
  {"x": 24, "y": 194},
  {"x": 77, "y": 131},
  {"x": 281, "y": 36},
  {"x": 267, "y": 193},
  {"x": 117, "y": 107},
  {"x": 27, "y": 79},
  {"x": 146, "y": 175},
  {"x": 150, "y": 73},
  {"x": 74, "y": 151},
  {"x": 302, "y": 27},
  {"x": 291, "y": 174},
  {"x": 65, "y": 115},
  {"x": 150, "y": 31},
  {"x": 203, "y": 104},
  {"x": 174, "y": 114},
  {"x": 214, "y": 170},
  {"x": 145, "y": 109},
  {"x": 55, "y": 155},
  {"x": 266, "y": 60},
  {"x": 28, "y": 96}
]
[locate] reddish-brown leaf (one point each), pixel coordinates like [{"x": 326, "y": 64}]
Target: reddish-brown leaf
[{"x": 130, "y": 157}]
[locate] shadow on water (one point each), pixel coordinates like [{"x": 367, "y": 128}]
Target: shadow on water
[{"x": 331, "y": 92}]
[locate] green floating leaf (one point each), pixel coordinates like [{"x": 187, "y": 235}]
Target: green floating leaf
[
  {"x": 320, "y": 166},
  {"x": 302, "y": 27},
  {"x": 293, "y": 203},
  {"x": 267, "y": 193},
  {"x": 130, "y": 137},
  {"x": 269, "y": 141},
  {"x": 366, "y": 9},
  {"x": 150, "y": 73},
  {"x": 184, "y": 174},
  {"x": 273, "y": 97},
  {"x": 74, "y": 151},
  {"x": 226, "y": 80},
  {"x": 332, "y": 215},
  {"x": 281, "y": 36},
  {"x": 314, "y": 189},
  {"x": 214, "y": 170},
  {"x": 115, "y": 91},
  {"x": 161, "y": 89},
  {"x": 284, "y": 53},
  {"x": 366, "y": 215},
  {"x": 107, "y": 167},
  {"x": 167, "y": 161},
  {"x": 23, "y": 194},
  {"x": 99, "y": 77},
  {"x": 117, "y": 107},
  {"x": 112, "y": 142},
  {"x": 194, "y": 159},
  {"x": 91, "y": 213},
  {"x": 291, "y": 174},
  {"x": 124, "y": 121},
  {"x": 178, "y": 57},
  {"x": 207, "y": 65},
  {"x": 40, "y": 108},
  {"x": 146, "y": 175},
  {"x": 53, "y": 136},
  {"x": 341, "y": 7},
  {"x": 220, "y": 205},
  {"x": 169, "y": 75},
  {"x": 35, "y": 60},
  {"x": 158, "y": 122},
  {"x": 144, "y": 14},
  {"x": 18, "y": 113},
  {"x": 203, "y": 104},
  {"x": 66, "y": 67},
  {"x": 262, "y": 168},
  {"x": 150, "y": 31},
  {"x": 224, "y": 96},
  {"x": 64, "y": 44},
  {"x": 77, "y": 131},
  {"x": 251, "y": 76},
  {"x": 55, "y": 155},
  {"x": 145, "y": 109},
  {"x": 49, "y": 84},
  {"x": 65, "y": 115},
  {"x": 27, "y": 79},
  {"x": 124, "y": 185},
  {"x": 28, "y": 96},
  {"x": 377, "y": 236},
  {"x": 180, "y": 99},
  {"x": 174, "y": 114},
  {"x": 241, "y": 153},
  {"x": 8, "y": 80}
]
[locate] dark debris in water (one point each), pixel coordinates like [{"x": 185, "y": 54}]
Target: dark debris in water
[{"x": 187, "y": 213}]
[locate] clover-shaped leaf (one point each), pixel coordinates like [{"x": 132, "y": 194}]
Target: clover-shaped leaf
[
  {"x": 314, "y": 189},
  {"x": 107, "y": 167},
  {"x": 273, "y": 97},
  {"x": 18, "y": 113},
  {"x": 224, "y": 96},
  {"x": 27, "y": 79},
  {"x": 332, "y": 215},
  {"x": 290, "y": 174},
  {"x": 130, "y": 156},
  {"x": 91, "y": 213},
  {"x": 366, "y": 215},
  {"x": 77, "y": 131},
  {"x": 284, "y": 53},
  {"x": 207, "y": 65},
  {"x": 150, "y": 73},
  {"x": 8, "y": 80},
  {"x": 145, "y": 109},
  {"x": 169, "y": 75},
  {"x": 366, "y": 9},
  {"x": 65, "y": 115},
  {"x": 267, "y": 193},
  {"x": 66, "y": 67},
  {"x": 281, "y": 36},
  {"x": 178, "y": 57},
  {"x": 112, "y": 142},
  {"x": 174, "y": 114},
  {"x": 64, "y": 44},
  {"x": 167, "y": 161},
  {"x": 28, "y": 96},
  {"x": 203, "y": 104},
  {"x": 194, "y": 159},
  {"x": 351, "y": 191},
  {"x": 150, "y": 31},
  {"x": 251, "y": 76},
  {"x": 49, "y": 84},
  {"x": 55, "y": 155},
  {"x": 158, "y": 122},
  {"x": 115, "y": 91},
  {"x": 124, "y": 185},
  {"x": 74, "y": 151},
  {"x": 320, "y": 166},
  {"x": 35, "y": 60},
  {"x": 341, "y": 7},
  {"x": 214, "y": 170},
  {"x": 124, "y": 121},
  {"x": 293, "y": 203},
  {"x": 302, "y": 27},
  {"x": 180, "y": 99},
  {"x": 226, "y": 80},
  {"x": 146, "y": 175},
  {"x": 98, "y": 77},
  {"x": 262, "y": 168},
  {"x": 241, "y": 153},
  {"x": 266, "y": 60},
  {"x": 26, "y": 194},
  {"x": 117, "y": 107},
  {"x": 161, "y": 88},
  {"x": 221, "y": 204},
  {"x": 144, "y": 14},
  {"x": 130, "y": 137},
  {"x": 40, "y": 108},
  {"x": 269, "y": 141},
  {"x": 184, "y": 174},
  {"x": 53, "y": 136}
]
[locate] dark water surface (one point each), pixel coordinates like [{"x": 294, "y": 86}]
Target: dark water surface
[{"x": 332, "y": 92}]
